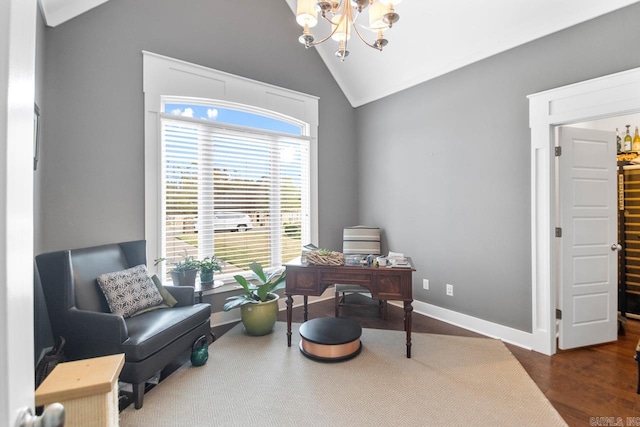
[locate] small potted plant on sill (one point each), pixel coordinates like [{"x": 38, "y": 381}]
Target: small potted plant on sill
[
  {"x": 208, "y": 266},
  {"x": 184, "y": 272},
  {"x": 258, "y": 303}
]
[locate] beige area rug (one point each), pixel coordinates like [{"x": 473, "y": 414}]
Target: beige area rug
[{"x": 259, "y": 381}]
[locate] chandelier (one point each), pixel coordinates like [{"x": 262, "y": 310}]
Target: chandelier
[{"x": 343, "y": 16}]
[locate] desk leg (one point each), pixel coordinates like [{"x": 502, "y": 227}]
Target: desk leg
[
  {"x": 289, "y": 314},
  {"x": 408, "y": 308},
  {"x": 306, "y": 312}
]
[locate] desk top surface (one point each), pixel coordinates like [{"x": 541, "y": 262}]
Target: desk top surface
[{"x": 297, "y": 262}]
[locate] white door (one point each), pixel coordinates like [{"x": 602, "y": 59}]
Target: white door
[
  {"x": 588, "y": 218},
  {"x": 17, "y": 56}
]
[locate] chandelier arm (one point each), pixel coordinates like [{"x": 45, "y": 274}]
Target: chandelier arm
[
  {"x": 330, "y": 34},
  {"x": 326, "y": 18},
  {"x": 355, "y": 27},
  {"x": 347, "y": 11},
  {"x": 321, "y": 41},
  {"x": 362, "y": 38}
]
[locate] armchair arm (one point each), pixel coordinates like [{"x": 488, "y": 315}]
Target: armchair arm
[
  {"x": 184, "y": 294},
  {"x": 93, "y": 334}
]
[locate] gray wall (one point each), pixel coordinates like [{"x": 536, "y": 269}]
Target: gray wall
[
  {"x": 450, "y": 163},
  {"x": 41, "y": 326},
  {"x": 92, "y": 163},
  {"x": 443, "y": 167}
]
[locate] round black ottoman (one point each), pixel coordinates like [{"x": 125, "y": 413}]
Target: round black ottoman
[{"x": 330, "y": 339}]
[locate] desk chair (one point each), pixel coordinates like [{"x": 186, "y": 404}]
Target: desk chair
[{"x": 358, "y": 240}]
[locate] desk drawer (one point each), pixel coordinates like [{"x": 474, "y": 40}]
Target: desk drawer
[
  {"x": 302, "y": 282},
  {"x": 333, "y": 276},
  {"x": 393, "y": 285}
]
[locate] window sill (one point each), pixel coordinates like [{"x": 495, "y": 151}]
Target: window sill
[{"x": 228, "y": 286}]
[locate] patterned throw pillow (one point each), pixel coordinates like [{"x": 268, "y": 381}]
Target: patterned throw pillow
[{"x": 129, "y": 290}]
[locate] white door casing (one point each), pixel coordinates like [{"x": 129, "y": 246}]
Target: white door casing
[
  {"x": 17, "y": 87},
  {"x": 615, "y": 94},
  {"x": 588, "y": 220}
]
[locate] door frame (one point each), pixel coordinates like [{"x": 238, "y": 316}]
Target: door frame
[
  {"x": 612, "y": 95},
  {"x": 17, "y": 86}
]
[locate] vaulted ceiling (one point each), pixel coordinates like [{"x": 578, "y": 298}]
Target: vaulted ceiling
[{"x": 432, "y": 38}]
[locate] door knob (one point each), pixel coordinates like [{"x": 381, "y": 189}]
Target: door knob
[
  {"x": 616, "y": 247},
  {"x": 53, "y": 416}
]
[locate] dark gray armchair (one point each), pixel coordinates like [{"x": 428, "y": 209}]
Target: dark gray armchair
[{"x": 79, "y": 312}]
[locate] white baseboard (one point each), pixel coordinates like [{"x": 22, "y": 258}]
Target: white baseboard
[
  {"x": 486, "y": 328},
  {"x": 220, "y": 318}
]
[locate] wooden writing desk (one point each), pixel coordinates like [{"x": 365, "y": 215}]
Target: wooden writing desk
[{"x": 384, "y": 283}]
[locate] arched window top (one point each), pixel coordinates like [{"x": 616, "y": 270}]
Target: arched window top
[{"x": 234, "y": 115}]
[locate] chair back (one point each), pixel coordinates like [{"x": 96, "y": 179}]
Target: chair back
[
  {"x": 361, "y": 240},
  {"x": 86, "y": 265},
  {"x": 69, "y": 277}
]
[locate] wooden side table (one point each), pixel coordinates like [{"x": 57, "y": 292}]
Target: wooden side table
[
  {"x": 201, "y": 289},
  {"x": 87, "y": 388}
]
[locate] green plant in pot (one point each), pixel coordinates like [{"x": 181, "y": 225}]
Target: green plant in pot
[
  {"x": 208, "y": 266},
  {"x": 184, "y": 272},
  {"x": 258, "y": 303}
]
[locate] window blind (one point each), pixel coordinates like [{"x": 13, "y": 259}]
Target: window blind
[{"x": 238, "y": 194}]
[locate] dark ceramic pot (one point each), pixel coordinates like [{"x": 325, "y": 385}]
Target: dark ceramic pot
[{"x": 206, "y": 277}]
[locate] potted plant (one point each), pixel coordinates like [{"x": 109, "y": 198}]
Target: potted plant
[
  {"x": 184, "y": 272},
  {"x": 258, "y": 303},
  {"x": 208, "y": 266}
]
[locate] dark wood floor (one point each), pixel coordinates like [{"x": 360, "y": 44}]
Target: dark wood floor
[{"x": 599, "y": 381}]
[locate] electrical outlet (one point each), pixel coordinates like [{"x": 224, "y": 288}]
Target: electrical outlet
[
  {"x": 449, "y": 290},
  {"x": 425, "y": 284}
]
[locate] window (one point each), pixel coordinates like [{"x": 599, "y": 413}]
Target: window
[
  {"x": 230, "y": 166},
  {"x": 235, "y": 184}
]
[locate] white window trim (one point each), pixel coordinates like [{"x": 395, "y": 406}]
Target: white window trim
[{"x": 168, "y": 77}]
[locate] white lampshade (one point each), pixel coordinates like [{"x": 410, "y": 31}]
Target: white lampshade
[
  {"x": 388, "y": 2},
  {"x": 343, "y": 32},
  {"x": 376, "y": 13},
  {"x": 307, "y": 14}
]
